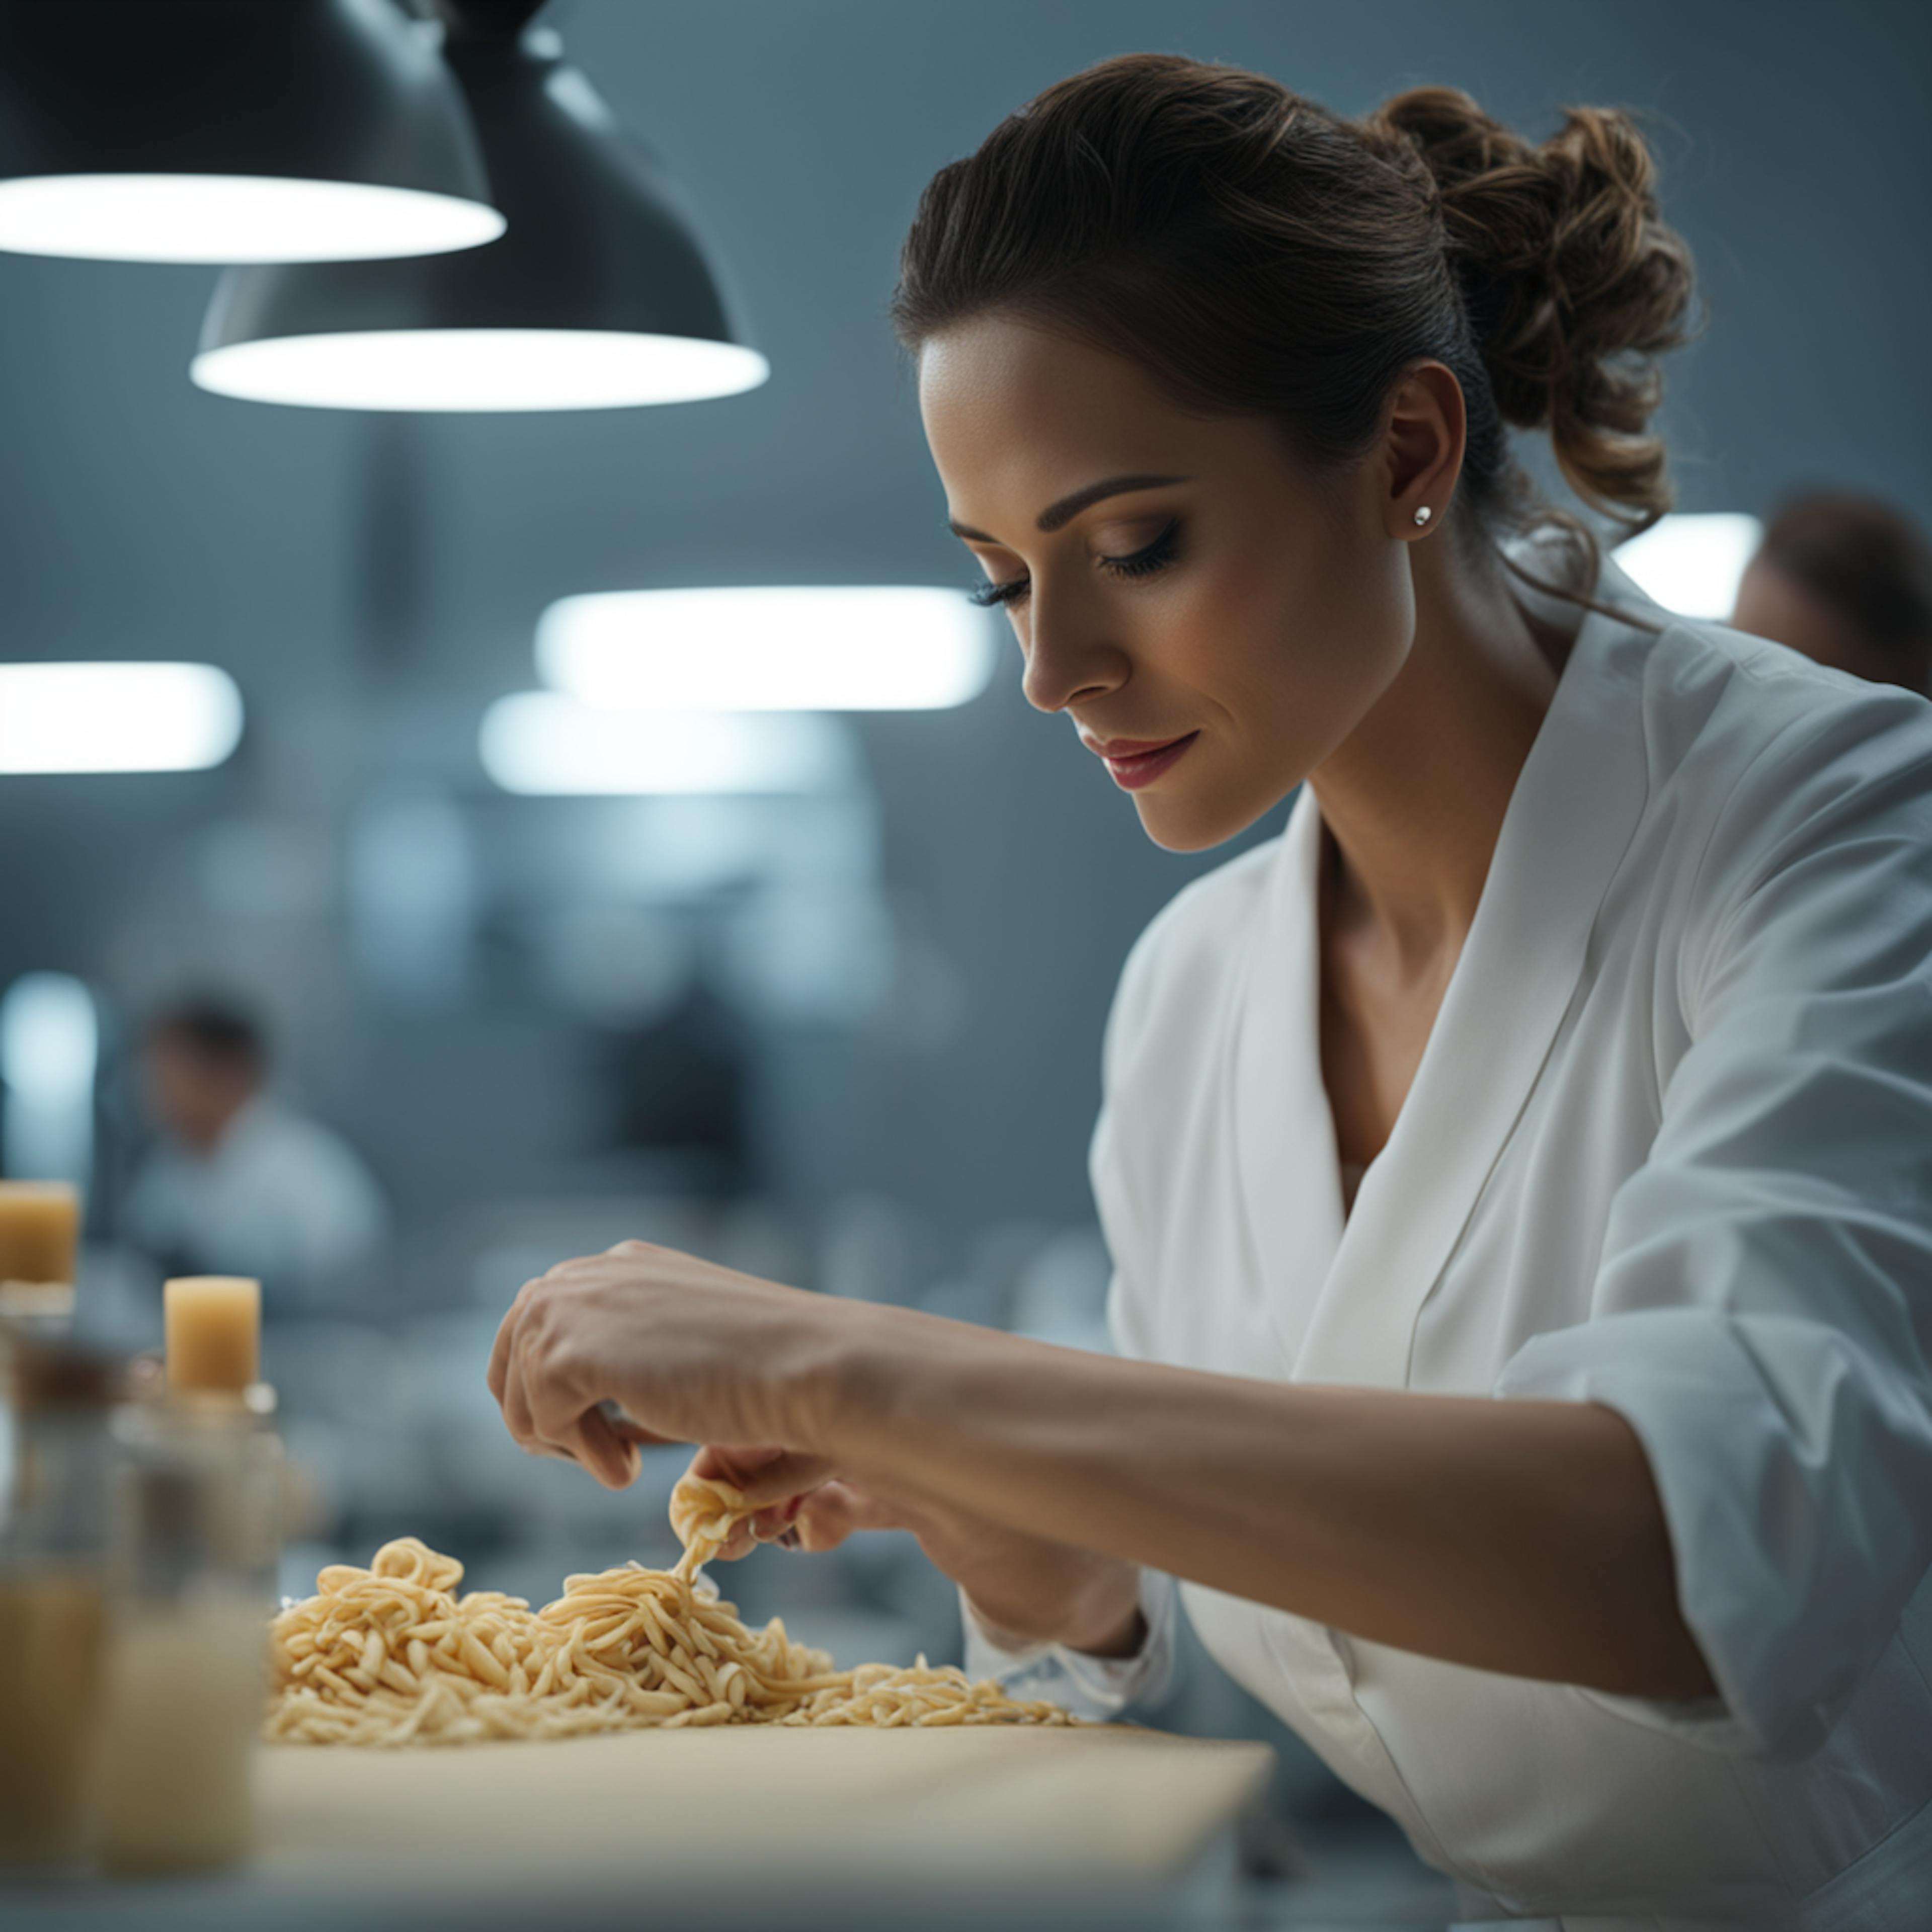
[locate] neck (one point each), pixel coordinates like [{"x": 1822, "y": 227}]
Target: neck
[{"x": 1414, "y": 799}]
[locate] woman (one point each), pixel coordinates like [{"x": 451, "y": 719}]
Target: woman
[{"x": 1518, "y": 1175}]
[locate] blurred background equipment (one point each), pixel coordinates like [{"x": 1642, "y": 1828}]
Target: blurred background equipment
[
  {"x": 238, "y": 1182},
  {"x": 1847, "y": 580}
]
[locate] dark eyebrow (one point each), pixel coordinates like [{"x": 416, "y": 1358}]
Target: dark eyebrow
[{"x": 1056, "y": 516}]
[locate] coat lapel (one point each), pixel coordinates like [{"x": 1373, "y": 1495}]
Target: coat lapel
[
  {"x": 1570, "y": 820},
  {"x": 1284, "y": 1131}
]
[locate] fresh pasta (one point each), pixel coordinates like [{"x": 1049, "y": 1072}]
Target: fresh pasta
[
  {"x": 704, "y": 1511},
  {"x": 392, "y": 1655}
]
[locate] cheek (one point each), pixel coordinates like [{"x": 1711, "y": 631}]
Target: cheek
[{"x": 1308, "y": 628}]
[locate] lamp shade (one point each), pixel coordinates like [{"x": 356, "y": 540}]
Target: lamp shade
[
  {"x": 600, "y": 294},
  {"x": 231, "y": 130}
]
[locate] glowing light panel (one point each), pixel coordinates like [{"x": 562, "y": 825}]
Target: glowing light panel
[
  {"x": 817, "y": 648},
  {"x": 541, "y": 742},
  {"x": 478, "y": 369},
  {"x": 116, "y": 717},
  {"x": 1693, "y": 565}
]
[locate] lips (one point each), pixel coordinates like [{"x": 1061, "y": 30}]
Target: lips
[
  {"x": 1128, "y": 748},
  {"x": 1135, "y": 762}
]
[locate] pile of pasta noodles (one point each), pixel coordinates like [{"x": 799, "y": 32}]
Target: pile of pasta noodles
[{"x": 392, "y": 1655}]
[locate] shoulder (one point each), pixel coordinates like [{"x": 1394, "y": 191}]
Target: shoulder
[
  {"x": 1191, "y": 950},
  {"x": 1718, "y": 701},
  {"x": 1784, "y": 754},
  {"x": 1799, "y": 802}
]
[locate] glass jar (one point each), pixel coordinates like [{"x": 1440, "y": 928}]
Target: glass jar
[
  {"x": 197, "y": 1540},
  {"x": 53, "y": 1618}
]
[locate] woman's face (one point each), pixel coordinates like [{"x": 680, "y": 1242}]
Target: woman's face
[{"x": 1214, "y": 616}]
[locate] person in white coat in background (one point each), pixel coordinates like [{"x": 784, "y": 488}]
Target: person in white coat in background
[
  {"x": 1518, "y": 1174},
  {"x": 239, "y": 1183}
]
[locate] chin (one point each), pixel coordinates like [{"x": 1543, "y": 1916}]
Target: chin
[{"x": 1197, "y": 825}]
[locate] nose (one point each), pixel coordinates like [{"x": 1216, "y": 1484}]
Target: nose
[{"x": 1066, "y": 660}]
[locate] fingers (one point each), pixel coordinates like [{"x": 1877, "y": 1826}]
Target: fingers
[
  {"x": 831, "y": 1513},
  {"x": 544, "y": 1419},
  {"x": 738, "y": 1467},
  {"x": 612, "y": 1458},
  {"x": 783, "y": 1475},
  {"x": 625, "y": 1430},
  {"x": 499, "y": 1350},
  {"x": 770, "y": 1525},
  {"x": 741, "y": 1542}
]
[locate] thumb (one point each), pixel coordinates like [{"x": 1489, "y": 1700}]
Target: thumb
[
  {"x": 833, "y": 1511},
  {"x": 786, "y": 1475}
]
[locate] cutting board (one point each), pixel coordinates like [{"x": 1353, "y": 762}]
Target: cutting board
[
  {"x": 1096, "y": 1829},
  {"x": 1110, "y": 1803}
]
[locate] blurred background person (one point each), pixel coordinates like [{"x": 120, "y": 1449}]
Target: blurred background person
[
  {"x": 1847, "y": 580},
  {"x": 239, "y": 1183}
]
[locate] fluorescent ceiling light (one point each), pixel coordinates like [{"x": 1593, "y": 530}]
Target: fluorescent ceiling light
[
  {"x": 1693, "y": 565},
  {"x": 478, "y": 369},
  {"x": 542, "y": 742},
  {"x": 116, "y": 717},
  {"x": 829, "y": 647},
  {"x": 221, "y": 218}
]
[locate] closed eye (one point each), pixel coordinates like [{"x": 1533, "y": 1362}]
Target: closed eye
[
  {"x": 1143, "y": 562},
  {"x": 988, "y": 595},
  {"x": 1150, "y": 557}
]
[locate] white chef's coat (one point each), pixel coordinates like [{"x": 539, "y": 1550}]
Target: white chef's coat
[
  {"x": 278, "y": 1196},
  {"x": 1669, "y": 1149}
]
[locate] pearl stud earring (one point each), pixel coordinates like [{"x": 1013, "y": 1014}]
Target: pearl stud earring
[{"x": 1423, "y": 515}]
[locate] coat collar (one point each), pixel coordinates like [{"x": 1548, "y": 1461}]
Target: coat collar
[{"x": 1345, "y": 1298}]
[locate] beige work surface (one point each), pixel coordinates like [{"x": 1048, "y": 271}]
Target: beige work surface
[{"x": 1110, "y": 1803}]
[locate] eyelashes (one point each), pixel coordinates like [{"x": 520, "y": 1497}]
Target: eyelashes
[
  {"x": 1143, "y": 562},
  {"x": 988, "y": 595}
]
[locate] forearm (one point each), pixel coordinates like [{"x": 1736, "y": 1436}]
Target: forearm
[{"x": 1525, "y": 1537}]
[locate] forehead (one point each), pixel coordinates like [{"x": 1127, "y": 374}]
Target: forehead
[{"x": 1014, "y": 413}]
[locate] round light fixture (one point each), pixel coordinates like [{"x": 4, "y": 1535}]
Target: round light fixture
[
  {"x": 601, "y": 295},
  {"x": 231, "y": 130}
]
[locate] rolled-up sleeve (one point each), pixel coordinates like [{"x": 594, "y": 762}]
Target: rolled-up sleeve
[
  {"x": 1763, "y": 1311},
  {"x": 1091, "y": 1687}
]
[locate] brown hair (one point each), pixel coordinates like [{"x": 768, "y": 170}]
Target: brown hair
[
  {"x": 1259, "y": 254},
  {"x": 1868, "y": 563}
]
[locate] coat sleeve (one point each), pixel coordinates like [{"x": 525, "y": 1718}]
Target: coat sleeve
[{"x": 1761, "y": 1315}]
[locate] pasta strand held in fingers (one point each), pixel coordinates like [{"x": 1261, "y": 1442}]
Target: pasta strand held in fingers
[{"x": 704, "y": 1511}]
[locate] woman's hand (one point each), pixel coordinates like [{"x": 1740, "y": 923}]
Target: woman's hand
[
  {"x": 688, "y": 1352},
  {"x": 1023, "y": 1589}
]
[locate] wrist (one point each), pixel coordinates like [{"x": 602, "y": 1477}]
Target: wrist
[
  {"x": 828, "y": 1378},
  {"x": 1101, "y": 1618},
  {"x": 1111, "y": 1623}
]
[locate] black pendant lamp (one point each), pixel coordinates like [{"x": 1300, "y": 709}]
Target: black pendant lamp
[
  {"x": 600, "y": 294},
  {"x": 231, "y": 130}
]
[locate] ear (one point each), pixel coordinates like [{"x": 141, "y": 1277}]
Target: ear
[{"x": 1422, "y": 442}]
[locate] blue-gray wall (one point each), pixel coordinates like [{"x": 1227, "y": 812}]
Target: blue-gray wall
[{"x": 139, "y": 517}]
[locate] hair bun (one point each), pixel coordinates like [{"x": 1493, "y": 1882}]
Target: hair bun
[{"x": 1572, "y": 282}]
